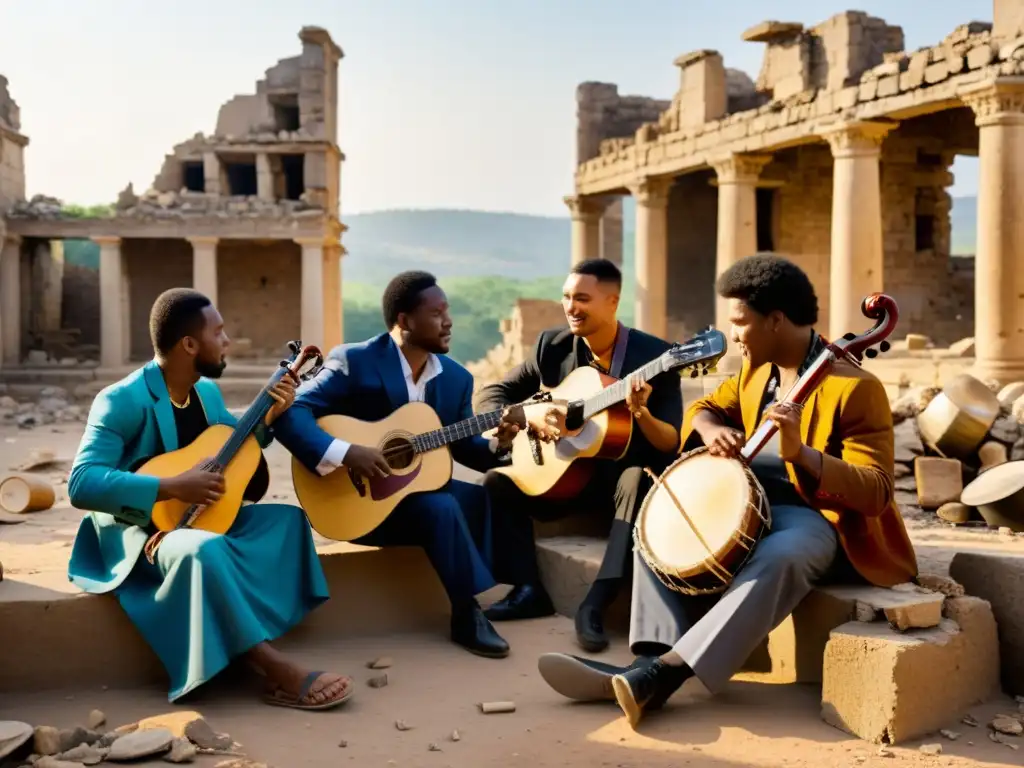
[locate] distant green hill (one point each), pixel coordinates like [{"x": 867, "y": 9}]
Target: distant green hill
[{"x": 964, "y": 223}]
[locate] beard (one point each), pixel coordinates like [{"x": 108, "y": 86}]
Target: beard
[{"x": 210, "y": 370}]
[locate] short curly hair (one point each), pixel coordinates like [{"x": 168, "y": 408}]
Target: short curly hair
[
  {"x": 175, "y": 314},
  {"x": 766, "y": 282},
  {"x": 403, "y": 294}
]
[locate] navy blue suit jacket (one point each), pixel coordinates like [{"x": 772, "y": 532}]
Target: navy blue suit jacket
[{"x": 365, "y": 381}]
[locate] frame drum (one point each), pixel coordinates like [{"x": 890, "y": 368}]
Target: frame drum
[
  {"x": 998, "y": 495},
  {"x": 700, "y": 522}
]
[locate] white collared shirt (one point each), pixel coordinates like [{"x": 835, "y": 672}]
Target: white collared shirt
[{"x": 334, "y": 456}]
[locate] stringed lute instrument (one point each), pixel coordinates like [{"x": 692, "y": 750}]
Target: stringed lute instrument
[{"x": 236, "y": 455}]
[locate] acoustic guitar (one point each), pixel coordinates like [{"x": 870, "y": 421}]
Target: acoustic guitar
[
  {"x": 344, "y": 505},
  {"x": 236, "y": 455},
  {"x": 598, "y": 423}
]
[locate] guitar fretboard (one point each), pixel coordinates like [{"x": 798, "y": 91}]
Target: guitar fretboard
[
  {"x": 618, "y": 391},
  {"x": 475, "y": 425}
]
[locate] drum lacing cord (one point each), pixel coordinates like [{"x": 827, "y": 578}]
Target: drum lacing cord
[{"x": 712, "y": 562}]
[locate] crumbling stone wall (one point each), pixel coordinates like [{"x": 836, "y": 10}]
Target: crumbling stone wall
[
  {"x": 12, "y": 150},
  {"x": 152, "y": 265},
  {"x": 80, "y": 302},
  {"x": 259, "y": 293},
  {"x": 519, "y": 331},
  {"x": 692, "y": 238}
]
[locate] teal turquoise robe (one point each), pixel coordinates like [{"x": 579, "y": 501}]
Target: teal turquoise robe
[{"x": 208, "y": 598}]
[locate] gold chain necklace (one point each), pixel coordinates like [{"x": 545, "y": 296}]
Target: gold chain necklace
[{"x": 188, "y": 399}]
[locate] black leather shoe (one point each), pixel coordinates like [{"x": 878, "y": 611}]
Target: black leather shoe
[
  {"x": 590, "y": 629},
  {"x": 527, "y": 601},
  {"x": 582, "y": 679},
  {"x": 637, "y": 689},
  {"x": 472, "y": 630}
]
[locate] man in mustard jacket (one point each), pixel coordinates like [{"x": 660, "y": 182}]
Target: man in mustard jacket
[{"x": 828, "y": 477}]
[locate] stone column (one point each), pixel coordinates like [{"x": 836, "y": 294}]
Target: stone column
[
  {"x": 586, "y": 227},
  {"x": 999, "y": 258},
  {"x": 10, "y": 300},
  {"x": 611, "y": 231},
  {"x": 856, "y": 261},
  {"x": 651, "y": 314},
  {"x": 737, "y": 217},
  {"x": 213, "y": 174},
  {"x": 321, "y": 293},
  {"x": 264, "y": 177},
  {"x": 115, "y": 328},
  {"x": 204, "y": 266}
]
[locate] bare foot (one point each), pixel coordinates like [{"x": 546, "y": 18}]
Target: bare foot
[{"x": 308, "y": 690}]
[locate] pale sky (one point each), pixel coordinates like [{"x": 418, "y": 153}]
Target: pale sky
[{"x": 443, "y": 103}]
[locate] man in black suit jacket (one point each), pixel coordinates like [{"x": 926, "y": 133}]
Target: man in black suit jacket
[{"x": 595, "y": 338}]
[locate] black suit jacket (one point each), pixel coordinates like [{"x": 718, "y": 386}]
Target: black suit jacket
[{"x": 558, "y": 352}]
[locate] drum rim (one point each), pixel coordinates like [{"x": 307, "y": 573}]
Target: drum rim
[
  {"x": 721, "y": 553},
  {"x": 977, "y": 499}
]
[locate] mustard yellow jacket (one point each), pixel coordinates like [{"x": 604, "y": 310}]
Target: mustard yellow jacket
[{"x": 849, "y": 420}]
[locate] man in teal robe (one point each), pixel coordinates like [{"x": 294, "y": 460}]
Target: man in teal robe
[{"x": 201, "y": 600}]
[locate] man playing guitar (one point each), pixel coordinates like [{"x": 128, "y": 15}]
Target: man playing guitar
[
  {"x": 830, "y": 490},
  {"x": 595, "y": 338}
]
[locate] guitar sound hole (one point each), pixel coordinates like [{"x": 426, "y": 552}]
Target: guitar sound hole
[{"x": 399, "y": 452}]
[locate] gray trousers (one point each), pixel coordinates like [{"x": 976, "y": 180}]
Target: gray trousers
[{"x": 716, "y": 634}]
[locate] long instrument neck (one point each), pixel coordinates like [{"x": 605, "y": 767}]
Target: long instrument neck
[
  {"x": 804, "y": 386},
  {"x": 474, "y": 425},
  {"x": 617, "y": 392},
  {"x": 247, "y": 424}
]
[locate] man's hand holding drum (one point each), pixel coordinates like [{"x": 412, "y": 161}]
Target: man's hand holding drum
[{"x": 723, "y": 441}]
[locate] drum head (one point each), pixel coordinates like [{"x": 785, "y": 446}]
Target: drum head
[
  {"x": 995, "y": 484},
  {"x": 715, "y": 495}
]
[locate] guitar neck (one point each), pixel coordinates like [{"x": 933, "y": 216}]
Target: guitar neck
[
  {"x": 618, "y": 391},
  {"x": 247, "y": 424},
  {"x": 438, "y": 438}
]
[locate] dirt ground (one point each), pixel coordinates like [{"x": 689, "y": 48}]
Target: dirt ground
[{"x": 435, "y": 687}]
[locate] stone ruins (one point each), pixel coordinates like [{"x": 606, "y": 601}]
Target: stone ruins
[
  {"x": 838, "y": 156},
  {"x": 249, "y": 215}
]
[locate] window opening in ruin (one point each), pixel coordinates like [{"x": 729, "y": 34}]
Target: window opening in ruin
[
  {"x": 193, "y": 176},
  {"x": 293, "y": 170},
  {"x": 924, "y": 220},
  {"x": 241, "y": 176},
  {"x": 765, "y": 200},
  {"x": 286, "y": 112}
]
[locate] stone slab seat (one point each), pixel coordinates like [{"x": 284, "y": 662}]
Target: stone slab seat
[{"x": 50, "y": 639}]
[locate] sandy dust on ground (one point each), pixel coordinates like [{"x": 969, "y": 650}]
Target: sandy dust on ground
[{"x": 436, "y": 686}]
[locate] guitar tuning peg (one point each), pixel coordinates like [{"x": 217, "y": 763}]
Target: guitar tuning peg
[
  {"x": 693, "y": 373},
  {"x": 885, "y": 346},
  {"x": 850, "y": 336},
  {"x": 872, "y": 352}
]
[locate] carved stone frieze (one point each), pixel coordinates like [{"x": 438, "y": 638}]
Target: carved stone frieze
[
  {"x": 737, "y": 168},
  {"x": 999, "y": 101}
]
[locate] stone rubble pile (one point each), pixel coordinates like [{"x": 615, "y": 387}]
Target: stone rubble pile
[
  {"x": 928, "y": 481},
  {"x": 52, "y": 406},
  {"x": 39, "y": 207},
  {"x": 174, "y": 738}
]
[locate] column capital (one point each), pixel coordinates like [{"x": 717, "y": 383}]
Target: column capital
[
  {"x": 996, "y": 102},
  {"x": 739, "y": 168},
  {"x": 201, "y": 240},
  {"x": 311, "y": 242},
  {"x": 582, "y": 207},
  {"x": 651, "y": 191},
  {"x": 9, "y": 238},
  {"x": 102, "y": 240},
  {"x": 858, "y": 138}
]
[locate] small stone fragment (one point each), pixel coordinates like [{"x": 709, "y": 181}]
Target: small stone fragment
[
  {"x": 203, "y": 736},
  {"x": 970, "y": 720},
  {"x": 496, "y": 707},
  {"x": 342, "y": 743},
  {"x": 402, "y": 725},
  {"x": 931, "y": 749},
  {"x": 85, "y": 754},
  {"x": 885, "y": 752},
  {"x": 954, "y": 512},
  {"x": 1011, "y": 726},
  {"x": 46, "y": 740},
  {"x": 455, "y": 736},
  {"x": 381, "y": 662},
  {"x": 999, "y": 738},
  {"x": 944, "y": 585},
  {"x": 378, "y": 682},
  {"x": 865, "y": 612},
  {"x": 182, "y": 751},
  {"x": 96, "y": 719},
  {"x": 432, "y": 747},
  {"x": 49, "y": 761},
  {"x": 951, "y": 735},
  {"x": 938, "y": 480},
  {"x": 141, "y": 744}
]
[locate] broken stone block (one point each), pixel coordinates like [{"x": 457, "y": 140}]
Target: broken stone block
[
  {"x": 938, "y": 481},
  {"x": 942, "y": 584},
  {"x": 916, "y": 341},
  {"x": 884, "y": 686},
  {"x": 47, "y": 740},
  {"x": 904, "y": 606},
  {"x": 1006, "y": 429},
  {"x": 142, "y": 743},
  {"x": 1000, "y": 580},
  {"x": 1010, "y": 393},
  {"x": 907, "y": 444},
  {"x": 182, "y": 751}
]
